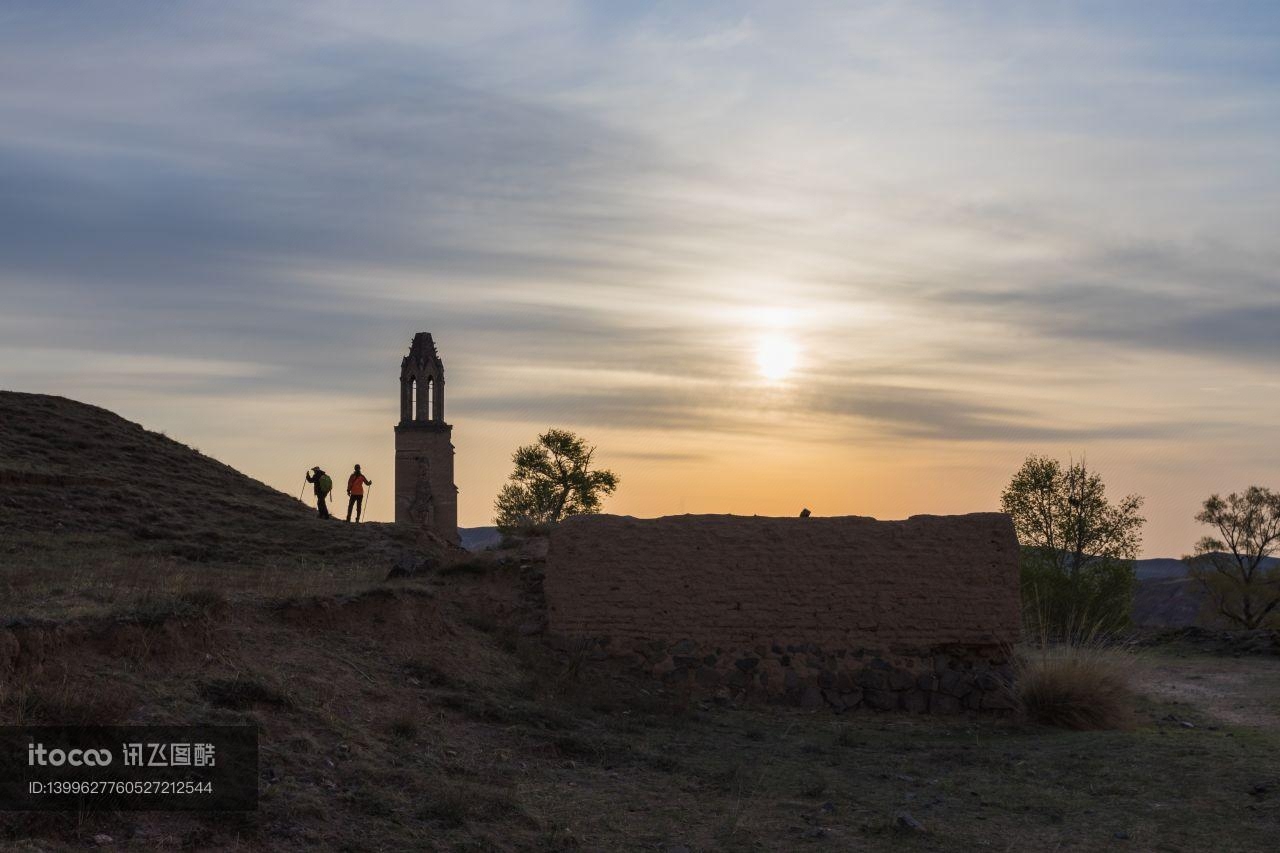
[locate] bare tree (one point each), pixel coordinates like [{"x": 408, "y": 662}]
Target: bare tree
[{"x": 1233, "y": 566}]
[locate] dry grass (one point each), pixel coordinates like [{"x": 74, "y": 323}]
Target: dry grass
[
  {"x": 1080, "y": 686},
  {"x": 97, "y": 511},
  {"x": 68, "y": 577},
  {"x": 64, "y": 703}
]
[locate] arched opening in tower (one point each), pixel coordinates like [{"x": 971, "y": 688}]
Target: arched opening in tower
[
  {"x": 413, "y": 399},
  {"x": 431, "y": 398}
]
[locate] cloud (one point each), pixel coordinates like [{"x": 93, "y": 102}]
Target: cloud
[
  {"x": 979, "y": 226},
  {"x": 852, "y": 410},
  {"x": 1232, "y": 324},
  {"x": 658, "y": 456}
]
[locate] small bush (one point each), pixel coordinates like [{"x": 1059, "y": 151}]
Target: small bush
[
  {"x": 242, "y": 693},
  {"x": 1097, "y": 600},
  {"x": 1077, "y": 686},
  {"x": 404, "y": 728}
]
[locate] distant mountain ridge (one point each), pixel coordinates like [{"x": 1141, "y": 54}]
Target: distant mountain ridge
[
  {"x": 1167, "y": 596},
  {"x": 479, "y": 538},
  {"x": 1167, "y": 568},
  {"x": 1160, "y": 568}
]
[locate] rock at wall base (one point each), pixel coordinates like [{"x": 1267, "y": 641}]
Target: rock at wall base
[
  {"x": 880, "y": 700},
  {"x": 811, "y": 699},
  {"x": 915, "y": 701}
]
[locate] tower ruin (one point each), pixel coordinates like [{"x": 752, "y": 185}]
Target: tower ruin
[{"x": 425, "y": 494}]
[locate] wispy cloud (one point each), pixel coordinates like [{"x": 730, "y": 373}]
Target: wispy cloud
[{"x": 994, "y": 226}]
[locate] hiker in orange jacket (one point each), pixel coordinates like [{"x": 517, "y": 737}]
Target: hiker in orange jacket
[{"x": 355, "y": 492}]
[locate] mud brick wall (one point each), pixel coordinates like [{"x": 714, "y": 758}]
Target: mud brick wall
[
  {"x": 916, "y": 614},
  {"x": 840, "y": 582}
]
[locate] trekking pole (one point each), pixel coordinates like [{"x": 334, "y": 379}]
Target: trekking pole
[
  {"x": 364, "y": 504},
  {"x": 303, "y": 489}
]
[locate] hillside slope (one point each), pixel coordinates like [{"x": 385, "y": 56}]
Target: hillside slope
[{"x": 80, "y": 484}]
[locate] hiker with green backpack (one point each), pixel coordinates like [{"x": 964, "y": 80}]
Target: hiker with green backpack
[{"x": 323, "y": 486}]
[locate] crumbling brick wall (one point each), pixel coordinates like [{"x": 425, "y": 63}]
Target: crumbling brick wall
[{"x": 818, "y": 609}]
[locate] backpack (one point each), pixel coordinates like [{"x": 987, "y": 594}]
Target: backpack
[{"x": 325, "y": 484}]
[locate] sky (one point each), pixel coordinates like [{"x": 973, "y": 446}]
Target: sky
[{"x": 857, "y": 257}]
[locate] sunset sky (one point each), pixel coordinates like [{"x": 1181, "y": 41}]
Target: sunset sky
[{"x": 861, "y": 258}]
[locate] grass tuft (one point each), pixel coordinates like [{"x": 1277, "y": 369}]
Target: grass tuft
[
  {"x": 1086, "y": 686},
  {"x": 404, "y": 728}
]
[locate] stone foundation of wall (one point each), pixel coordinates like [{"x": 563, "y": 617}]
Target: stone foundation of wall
[{"x": 951, "y": 681}]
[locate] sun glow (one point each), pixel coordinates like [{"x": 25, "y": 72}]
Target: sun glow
[{"x": 776, "y": 357}]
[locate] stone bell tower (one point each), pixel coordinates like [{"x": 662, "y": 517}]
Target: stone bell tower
[{"x": 425, "y": 494}]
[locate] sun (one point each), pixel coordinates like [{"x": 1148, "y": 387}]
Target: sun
[{"x": 776, "y": 357}]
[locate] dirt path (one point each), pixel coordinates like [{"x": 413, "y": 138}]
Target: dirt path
[{"x": 1242, "y": 691}]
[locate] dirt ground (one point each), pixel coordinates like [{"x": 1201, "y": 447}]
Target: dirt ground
[
  {"x": 414, "y": 717},
  {"x": 1241, "y": 691}
]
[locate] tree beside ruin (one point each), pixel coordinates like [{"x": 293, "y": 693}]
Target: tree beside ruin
[
  {"x": 1078, "y": 547},
  {"x": 553, "y": 479},
  {"x": 1233, "y": 567}
]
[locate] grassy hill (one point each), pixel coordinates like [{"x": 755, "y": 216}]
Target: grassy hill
[{"x": 92, "y": 502}]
